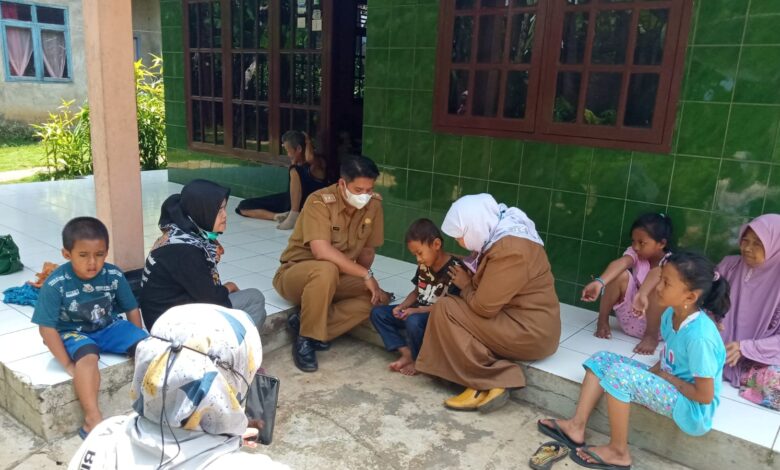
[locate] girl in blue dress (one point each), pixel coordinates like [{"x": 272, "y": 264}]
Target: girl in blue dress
[{"x": 683, "y": 385}]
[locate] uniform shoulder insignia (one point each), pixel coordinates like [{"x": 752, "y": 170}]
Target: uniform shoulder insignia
[
  {"x": 328, "y": 198},
  {"x": 376, "y": 196}
]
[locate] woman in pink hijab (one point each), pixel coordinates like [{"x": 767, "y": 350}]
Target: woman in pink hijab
[{"x": 751, "y": 329}]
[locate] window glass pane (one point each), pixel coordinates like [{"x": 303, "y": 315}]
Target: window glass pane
[
  {"x": 265, "y": 141},
  {"x": 575, "y": 31},
  {"x": 237, "y": 76},
  {"x": 301, "y": 24},
  {"x": 651, "y": 34},
  {"x": 316, "y": 25},
  {"x": 195, "y": 73},
  {"x": 216, "y": 20},
  {"x": 516, "y": 94},
  {"x": 204, "y": 25},
  {"x": 300, "y": 119},
  {"x": 235, "y": 24},
  {"x": 50, "y": 15},
  {"x": 314, "y": 126},
  {"x": 15, "y": 11},
  {"x": 601, "y": 101},
  {"x": 577, "y": 2},
  {"x": 250, "y": 127},
  {"x": 193, "y": 24},
  {"x": 464, "y": 4},
  {"x": 286, "y": 27},
  {"x": 262, "y": 77},
  {"x": 54, "y": 54},
  {"x": 524, "y": 3},
  {"x": 238, "y": 127},
  {"x": 206, "y": 73},
  {"x": 492, "y": 32},
  {"x": 609, "y": 43},
  {"x": 218, "y": 124},
  {"x": 248, "y": 22},
  {"x": 285, "y": 78},
  {"x": 300, "y": 80},
  {"x": 521, "y": 42},
  {"x": 461, "y": 38},
  {"x": 207, "y": 110},
  {"x": 217, "y": 74},
  {"x": 316, "y": 78},
  {"x": 263, "y": 28},
  {"x": 640, "y": 103},
  {"x": 19, "y": 48},
  {"x": 487, "y": 85},
  {"x": 492, "y": 3},
  {"x": 285, "y": 124},
  {"x": 458, "y": 96},
  {"x": 197, "y": 128},
  {"x": 567, "y": 97}
]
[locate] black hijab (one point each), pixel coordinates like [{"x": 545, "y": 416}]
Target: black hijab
[{"x": 199, "y": 202}]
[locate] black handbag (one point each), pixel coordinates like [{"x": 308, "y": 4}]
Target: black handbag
[
  {"x": 9, "y": 255},
  {"x": 261, "y": 402}
]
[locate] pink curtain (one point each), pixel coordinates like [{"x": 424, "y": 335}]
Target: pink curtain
[
  {"x": 20, "y": 49},
  {"x": 54, "y": 56}
]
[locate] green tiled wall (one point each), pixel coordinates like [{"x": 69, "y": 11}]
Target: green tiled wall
[
  {"x": 246, "y": 179},
  {"x": 724, "y": 169}
]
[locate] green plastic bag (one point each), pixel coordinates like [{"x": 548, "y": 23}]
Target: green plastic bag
[{"x": 9, "y": 256}]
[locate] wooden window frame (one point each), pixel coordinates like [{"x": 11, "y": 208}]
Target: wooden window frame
[
  {"x": 538, "y": 123},
  {"x": 274, "y": 156}
]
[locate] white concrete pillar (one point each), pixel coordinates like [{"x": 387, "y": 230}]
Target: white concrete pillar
[{"x": 108, "y": 37}]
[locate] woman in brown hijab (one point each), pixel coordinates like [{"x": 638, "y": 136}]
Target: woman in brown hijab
[{"x": 507, "y": 310}]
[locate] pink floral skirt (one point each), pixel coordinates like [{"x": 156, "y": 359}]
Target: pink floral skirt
[{"x": 760, "y": 384}]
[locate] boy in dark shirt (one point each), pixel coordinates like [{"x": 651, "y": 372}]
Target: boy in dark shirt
[
  {"x": 432, "y": 280},
  {"x": 77, "y": 312}
]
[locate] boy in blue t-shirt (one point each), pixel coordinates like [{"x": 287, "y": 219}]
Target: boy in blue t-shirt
[{"x": 77, "y": 312}]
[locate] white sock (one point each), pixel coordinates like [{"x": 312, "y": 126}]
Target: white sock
[{"x": 289, "y": 222}]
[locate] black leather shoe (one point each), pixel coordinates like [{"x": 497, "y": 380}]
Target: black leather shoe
[
  {"x": 294, "y": 323},
  {"x": 320, "y": 345},
  {"x": 304, "y": 354}
]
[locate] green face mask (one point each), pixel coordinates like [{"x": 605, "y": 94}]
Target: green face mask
[{"x": 210, "y": 235}]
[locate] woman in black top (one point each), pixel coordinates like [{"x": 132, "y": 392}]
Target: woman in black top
[
  {"x": 182, "y": 266},
  {"x": 307, "y": 174}
]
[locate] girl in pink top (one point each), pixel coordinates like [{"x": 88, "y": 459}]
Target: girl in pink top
[
  {"x": 628, "y": 278},
  {"x": 751, "y": 329}
]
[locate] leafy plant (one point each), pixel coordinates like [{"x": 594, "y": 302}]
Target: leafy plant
[
  {"x": 15, "y": 133},
  {"x": 150, "y": 100},
  {"x": 66, "y": 134}
]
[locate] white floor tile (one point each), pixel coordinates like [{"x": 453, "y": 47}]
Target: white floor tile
[
  {"x": 12, "y": 320},
  {"x": 564, "y": 363},
  {"x": 228, "y": 271},
  {"x": 568, "y": 331},
  {"x": 108, "y": 360},
  {"x": 650, "y": 359},
  {"x": 233, "y": 239},
  {"x": 236, "y": 253},
  {"x": 584, "y": 342},
  {"x": 746, "y": 422},
  {"x": 16, "y": 279},
  {"x": 576, "y": 316},
  {"x": 265, "y": 247},
  {"x": 41, "y": 369},
  {"x": 394, "y": 266},
  {"x": 617, "y": 332},
  {"x": 398, "y": 285},
  {"x": 273, "y": 298},
  {"x": 257, "y": 263},
  {"x": 252, "y": 280},
  {"x": 20, "y": 345},
  {"x": 25, "y": 310}
]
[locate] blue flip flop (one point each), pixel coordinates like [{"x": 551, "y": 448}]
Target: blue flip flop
[
  {"x": 83, "y": 433},
  {"x": 557, "y": 433}
]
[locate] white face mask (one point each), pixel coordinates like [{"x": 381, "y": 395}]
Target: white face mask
[{"x": 358, "y": 201}]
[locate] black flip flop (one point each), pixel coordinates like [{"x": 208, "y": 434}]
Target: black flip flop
[
  {"x": 547, "y": 454},
  {"x": 601, "y": 464},
  {"x": 557, "y": 433}
]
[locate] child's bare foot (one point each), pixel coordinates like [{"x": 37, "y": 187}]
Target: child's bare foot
[
  {"x": 400, "y": 364},
  {"x": 647, "y": 345},
  {"x": 606, "y": 455},
  {"x": 409, "y": 370},
  {"x": 570, "y": 429}
]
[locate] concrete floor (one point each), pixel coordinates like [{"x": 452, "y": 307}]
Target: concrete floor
[{"x": 354, "y": 414}]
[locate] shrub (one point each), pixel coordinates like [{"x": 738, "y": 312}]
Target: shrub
[
  {"x": 66, "y": 135},
  {"x": 15, "y": 133}
]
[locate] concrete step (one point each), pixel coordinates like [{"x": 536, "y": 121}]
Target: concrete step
[
  {"x": 649, "y": 431},
  {"x": 51, "y": 410}
]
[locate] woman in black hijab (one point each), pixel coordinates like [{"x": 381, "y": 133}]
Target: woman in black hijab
[{"x": 182, "y": 266}]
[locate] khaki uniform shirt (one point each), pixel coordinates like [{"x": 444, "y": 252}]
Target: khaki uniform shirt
[{"x": 324, "y": 217}]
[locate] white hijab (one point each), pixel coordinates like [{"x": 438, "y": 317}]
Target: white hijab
[{"x": 481, "y": 222}]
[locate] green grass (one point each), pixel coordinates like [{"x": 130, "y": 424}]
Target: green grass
[{"x": 21, "y": 157}]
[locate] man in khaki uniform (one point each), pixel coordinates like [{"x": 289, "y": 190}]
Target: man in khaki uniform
[{"x": 326, "y": 265}]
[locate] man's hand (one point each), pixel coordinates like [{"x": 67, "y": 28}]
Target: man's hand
[
  {"x": 231, "y": 287},
  {"x": 376, "y": 293}
]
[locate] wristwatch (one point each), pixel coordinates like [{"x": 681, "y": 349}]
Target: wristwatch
[{"x": 368, "y": 275}]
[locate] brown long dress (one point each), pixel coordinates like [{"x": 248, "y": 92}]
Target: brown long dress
[{"x": 510, "y": 312}]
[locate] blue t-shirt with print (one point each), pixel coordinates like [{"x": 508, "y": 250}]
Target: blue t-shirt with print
[
  {"x": 695, "y": 350},
  {"x": 67, "y": 303}
]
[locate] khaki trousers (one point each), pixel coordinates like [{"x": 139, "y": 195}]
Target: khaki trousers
[{"x": 331, "y": 303}]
